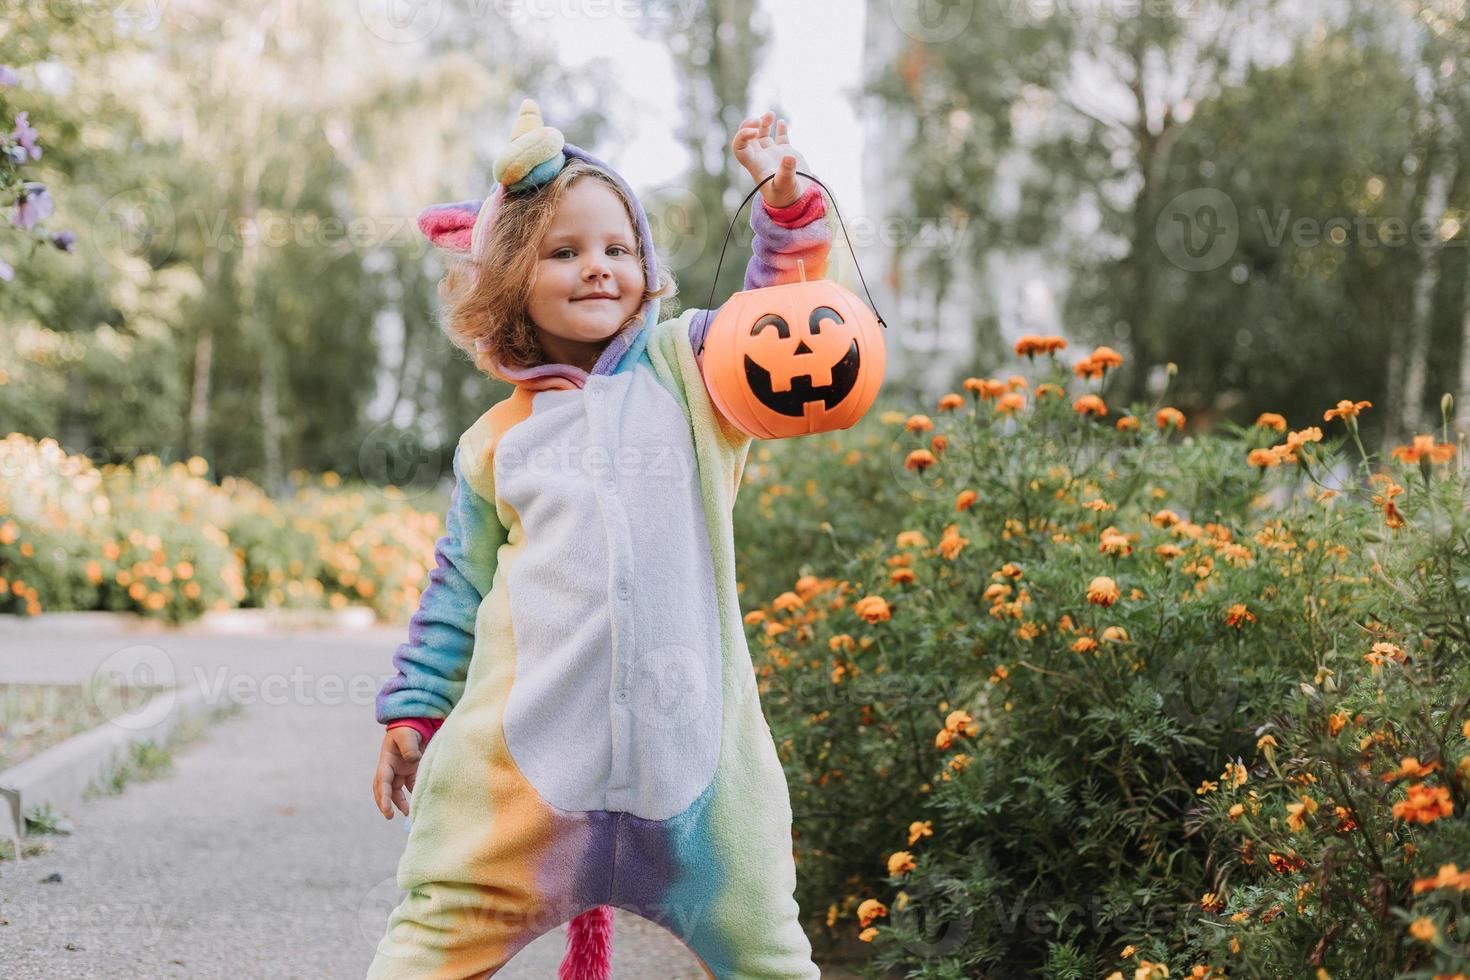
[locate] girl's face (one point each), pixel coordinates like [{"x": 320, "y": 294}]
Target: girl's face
[{"x": 589, "y": 250}]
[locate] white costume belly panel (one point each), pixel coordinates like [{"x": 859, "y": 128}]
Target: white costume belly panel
[{"x": 616, "y": 701}]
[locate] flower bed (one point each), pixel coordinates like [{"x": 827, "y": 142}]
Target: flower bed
[{"x": 1083, "y": 696}]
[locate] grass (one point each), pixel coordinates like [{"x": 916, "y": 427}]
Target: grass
[
  {"x": 147, "y": 759},
  {"x": 143, "y": 760},
  {"x": 34, "y": 717}
]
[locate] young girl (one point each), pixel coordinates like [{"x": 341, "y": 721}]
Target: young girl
[{"x": 576, "y": 709}]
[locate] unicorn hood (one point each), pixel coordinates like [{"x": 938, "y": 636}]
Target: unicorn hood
[{"x": 535, "y": 155}]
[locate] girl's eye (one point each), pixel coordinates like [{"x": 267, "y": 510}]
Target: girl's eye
[{"x": 558, "y": 252}]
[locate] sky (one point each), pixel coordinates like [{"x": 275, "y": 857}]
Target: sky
[{"x": 809, "y": 83}]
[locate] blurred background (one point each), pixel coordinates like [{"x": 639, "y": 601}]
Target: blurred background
[{"x": 211, "y": 249}]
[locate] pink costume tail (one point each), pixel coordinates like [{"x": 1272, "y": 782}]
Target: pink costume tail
[{"x": 589, "y": 946}]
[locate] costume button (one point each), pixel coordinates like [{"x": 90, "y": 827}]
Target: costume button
[
  {"x": 625, "y": 591},
  {"x": 621, "y": 696},
  {"x": 595, "y": 393}
]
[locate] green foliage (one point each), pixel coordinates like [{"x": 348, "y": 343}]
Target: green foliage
[
  {"x": 164, "y": 541},
  {"x": 1045, "y": 695}
]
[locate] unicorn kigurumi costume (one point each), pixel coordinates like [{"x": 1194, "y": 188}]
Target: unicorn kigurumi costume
[{"x": 578, "y": 665}]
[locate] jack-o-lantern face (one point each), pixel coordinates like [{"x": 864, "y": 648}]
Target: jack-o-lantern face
[
  {"x": 793, "y": 359},
  {"x": 786, "y": 371}
]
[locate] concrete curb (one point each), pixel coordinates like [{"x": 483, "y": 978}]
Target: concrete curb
[
  {"x": 227, "y": 621},
  {"x": 60, "y": 775}
]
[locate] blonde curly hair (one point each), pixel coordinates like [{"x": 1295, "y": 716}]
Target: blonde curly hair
[{"x": 485, "y": 296}]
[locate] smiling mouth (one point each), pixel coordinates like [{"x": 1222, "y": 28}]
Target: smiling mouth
[{"x": 591, "y": 299}]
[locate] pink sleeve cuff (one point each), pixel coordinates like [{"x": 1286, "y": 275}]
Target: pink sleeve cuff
[
  {"x": 803, "y": 211},
  {"x": 426, "y": 727}
]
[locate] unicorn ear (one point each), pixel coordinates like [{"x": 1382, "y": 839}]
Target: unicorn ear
[{"x": 449, "y": 225}]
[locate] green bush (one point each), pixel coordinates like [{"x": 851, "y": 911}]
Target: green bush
[
  {"x": 1014, "y": 723},
  {"x": 164, "y": 541}
]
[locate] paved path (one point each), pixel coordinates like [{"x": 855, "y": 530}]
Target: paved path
[{"x": 262, "y": 854}]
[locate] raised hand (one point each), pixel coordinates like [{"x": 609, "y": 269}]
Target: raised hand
[{"x": 763, "y": 151}]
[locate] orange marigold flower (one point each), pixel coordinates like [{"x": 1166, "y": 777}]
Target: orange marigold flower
[
  {"x": 910, "y": 539},
  {"x": 1423, "y": 929},
  {"x": 872, "y": 608},
  {"x": 965, "y": 500},
  {"x": 1270, "y": 420},
  {"x": 1029, "y": 346},
  {"x": 870, "y": 910},
  {"x": 1410, "y": 767},
  {"x": 943, "y": 739},
  {"x": 755, "y": 616},
  {"x": 1424, "y": 804},
  {"x": 787, "y": 600},
  {"x": 1211, "y": 903},
  {"x": 1263, "y": 458},
  {"x": 1009, "y": 570},
  {"x": 1296, "y": 440},
  {"x": 961, "y": 723},
  {"x": 918, "y": 423},
  {"x": 900, "y": 863},
  {"x": 1115, "y": 634},
  {"x": 1047, "y": 388},
  {"x": 939, "y": 444},
  {"x": 919, "y": 459},
  {"x": 1345, "y": 409},
  {"x": 952, "y": 543},
  {"x": 1165, "y": 518},
  {"x": 1085, "y": 644},
  {"x": 1167, "y": 417},
  {"x": 1114, "y": 542},
  {"x": 1296, "y": 812},
  {"x": 868, "y": 934},
  {"x": 1285, "y": 863},
  {"x": 1017, "y": 382},
  {"x": 1102, "y": 591},
  {"x": 1335, "y": 723},
  {"x": 1107, "y": 357},
  {"x": 951, "y": 401},
  {"x": 1238, "y": 615},
  {"x": 1449, "y": 876},
  {"x": 973, "y": 384},
  {"x": 842, "y": 641},
  {"x": 1090, "y": 405},
  {"x": 1389, "y": 651},
  {"x": 1424, "y": 447},
  {"x": 1127, "y": 423},
  {"x": 900, "y": 576},
  {"x": 920, "y": 828},
  {"x": 1010, "y": 402},
  {"x": 1088, "y": 368}
]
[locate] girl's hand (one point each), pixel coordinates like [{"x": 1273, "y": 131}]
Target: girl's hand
[
  {"x": 763, "y": 152},
  {"x": 398, "y": 763}
]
